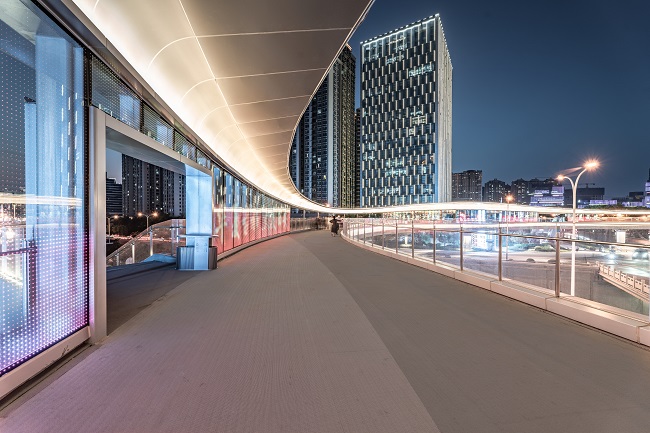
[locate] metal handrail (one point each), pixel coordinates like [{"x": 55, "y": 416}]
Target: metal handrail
[{"x": 139, "y": 236}]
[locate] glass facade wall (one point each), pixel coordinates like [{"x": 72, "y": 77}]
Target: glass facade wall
[
  {"x": 44, "y": 187},
  {"x": 242, "y": 214},
  {"x": 43, "y": 198}
]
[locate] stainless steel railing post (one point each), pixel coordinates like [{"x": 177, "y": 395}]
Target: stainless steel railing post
[
  {"x": 434, "y": 243},
  {"x": 396, "y": 237},
  {"x": 412, "y": 238},
  {"x": 461, "y": 248},
  {"x": 500, "y": 255},
  {"x": 383, "y": 243},
  {"x": 557, "y": 267}
]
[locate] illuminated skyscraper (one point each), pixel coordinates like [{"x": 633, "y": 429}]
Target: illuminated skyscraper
[
  {"x": 406, "y": 88},
  {"x": 322, "y": 162}
]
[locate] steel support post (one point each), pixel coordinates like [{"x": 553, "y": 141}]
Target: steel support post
[
  {"x": 461, "y": 248},
  {"x": 500, "y": 255},
  {"x": 412, "y": 238},
  {"x": 557, "y": 267}
]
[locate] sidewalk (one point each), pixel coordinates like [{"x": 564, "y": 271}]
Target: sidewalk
[{"x": 308, "y": 333}]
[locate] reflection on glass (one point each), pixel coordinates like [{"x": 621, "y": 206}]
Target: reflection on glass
[{"x": 43, "y": 284}]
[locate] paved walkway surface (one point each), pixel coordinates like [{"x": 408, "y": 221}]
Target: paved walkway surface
[{"x": 307, "y": 333}]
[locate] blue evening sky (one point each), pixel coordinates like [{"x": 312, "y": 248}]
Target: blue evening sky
[{"x": 539, "y": 86}]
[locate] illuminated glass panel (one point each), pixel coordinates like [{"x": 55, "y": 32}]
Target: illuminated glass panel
[
  {"x": 217, "y": 212},
  {"x": 228, "y": 213},
  {"x": 43, "y": 237}
]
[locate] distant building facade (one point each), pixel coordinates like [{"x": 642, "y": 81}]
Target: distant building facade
[
  {"x": 495, "y": 191},
  {"x": 529, "y": 191},
  {"x": 113, "y": 197},
  {"x": 406, "y": 116},
  {"x": 520, "y": 190},
  {"x": 584, "y": 196},
  {"x": 323, "y": 161},
  {"x": 148, "y": 188},
  {"x": 357, "y": 155},
  {"x": 550, "y": 195},
  {"x": 467, "y": 186}
]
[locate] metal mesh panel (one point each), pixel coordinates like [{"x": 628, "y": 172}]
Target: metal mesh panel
[
  {"x": 157, "y": 128},
  {"x": 183, "y": 146},
  {"x": 112, "y": 96},
  {"x": 202, "y": 159}
]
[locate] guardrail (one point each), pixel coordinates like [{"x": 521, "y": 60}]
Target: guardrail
[
  {"x": 161, "y": 238},
  {"x": 632, "y": 284},
  {"x": 499, "y": 252}
]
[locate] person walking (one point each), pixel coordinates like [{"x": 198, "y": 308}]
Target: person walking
[{"x": 335, "y": 226}]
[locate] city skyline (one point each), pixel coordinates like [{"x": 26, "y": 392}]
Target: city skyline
[
  {"x": 579, "y": 95},
  {"x": 540, "y": 88}
]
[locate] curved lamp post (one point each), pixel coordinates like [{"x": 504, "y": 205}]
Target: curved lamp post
[
  {"x": 154, "y": 214},
  {"x": 589, "y": 165}
]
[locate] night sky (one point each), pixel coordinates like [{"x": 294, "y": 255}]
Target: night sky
[{"x": 539, "y": 87}]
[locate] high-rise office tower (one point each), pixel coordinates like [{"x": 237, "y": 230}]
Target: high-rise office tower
[
  {"x": 357, "y": 156},
  {"x": 323, "y": 164},
  {"x": 467, "y": 186},
  {"x": 113, "y": 197},
  {"x": 406, "y": 88},
  {"x": 148, "y": 188}
]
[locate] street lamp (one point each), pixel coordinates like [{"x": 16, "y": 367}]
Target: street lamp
[
  {"x": 589, "y": 165},
  {"x": 509, "y": 198},
  {"x": 155, "y": 214}
]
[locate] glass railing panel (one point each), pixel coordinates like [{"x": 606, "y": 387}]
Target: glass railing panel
[
  {"x": 529, "y": 261},
  {"x": 404, "y": 238},
  {"x": 481, "y": 252},
  {"x": 423, "y": 246},
  {"x": 448, "y": 247},
  {"x": 614, "y": 275}
]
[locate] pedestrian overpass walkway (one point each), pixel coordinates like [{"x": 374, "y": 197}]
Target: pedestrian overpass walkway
[{"x": 308, "y": 333}]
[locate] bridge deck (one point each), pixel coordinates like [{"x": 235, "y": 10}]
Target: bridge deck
[{"x": 307, "y": 333}]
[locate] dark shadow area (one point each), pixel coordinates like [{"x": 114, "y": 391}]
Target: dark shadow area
[{"x": 132, "y": 288}]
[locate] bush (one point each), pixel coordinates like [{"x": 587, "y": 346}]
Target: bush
[{"x": 546, "y": 248}]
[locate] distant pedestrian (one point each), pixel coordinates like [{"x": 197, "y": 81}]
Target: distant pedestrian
[{"x": 335, "y": 225}]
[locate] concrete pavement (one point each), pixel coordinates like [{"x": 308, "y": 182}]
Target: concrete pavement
[{"x": 307, "y": 333}]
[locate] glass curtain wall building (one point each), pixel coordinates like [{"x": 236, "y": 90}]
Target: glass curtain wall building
[
  {"x": 322, "y": 163},
  {"x": 406, "y": 90},
  {"x": 50, "y": 82}
]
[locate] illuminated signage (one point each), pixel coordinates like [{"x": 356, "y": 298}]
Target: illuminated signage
[
  {"x": 420, "y": 70},
  {"x": 394, "y": 59}
]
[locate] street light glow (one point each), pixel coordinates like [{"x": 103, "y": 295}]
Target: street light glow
[
  {"x": 591, "y": 164},
  {"x": 561, "y": 177}
]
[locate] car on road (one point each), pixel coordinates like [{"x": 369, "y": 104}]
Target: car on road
[{"x": 640, "y": 254}]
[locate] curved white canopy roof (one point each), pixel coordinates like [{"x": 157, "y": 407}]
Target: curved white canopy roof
[{"x": 239, "y": 73}]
